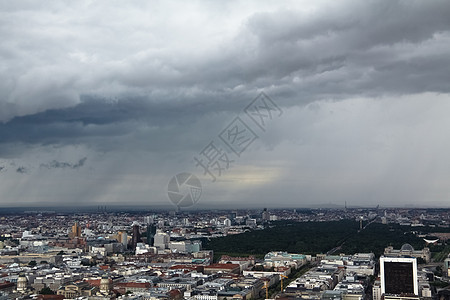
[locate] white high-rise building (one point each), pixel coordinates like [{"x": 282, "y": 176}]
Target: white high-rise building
[
  {"x": 376, "y": 290},
  {"x": 149, "y": 220},
  {"x": 227, "y": 222},
  {"x": 161, "y": 240}
]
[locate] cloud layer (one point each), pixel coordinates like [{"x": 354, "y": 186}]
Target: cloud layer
[{"x": 105, "y": 101}]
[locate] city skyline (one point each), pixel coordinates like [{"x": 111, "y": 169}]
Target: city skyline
[{"x": 104, "y": 104}]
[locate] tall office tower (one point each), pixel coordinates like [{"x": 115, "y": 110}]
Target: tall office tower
[
  {"x": 76, "y": 230},
  {"x": 265, "y": 215},
  {"x": 399, "y": 275},
  {"x": 162, "y": 240},
  {"x": 122, "y": 238},
  {"x": 149, "y": 220},
  {"x": 151, "y": 231},
  {"x": 136, "y": 236}
]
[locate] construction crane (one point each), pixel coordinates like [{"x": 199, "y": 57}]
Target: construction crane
[{"x": 281, "y": 277}]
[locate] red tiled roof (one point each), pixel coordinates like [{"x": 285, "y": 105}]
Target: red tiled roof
[
  {"x": 50, "y": 297},
  {"x": 143, "y": 285},
  {"x": 174, "y": 293},
  {"x": 183, "y": 267},
  {"x": 223, "y": 266},
  {"x": 93, "y": 282},
  {"x": 5, "y": 285}
]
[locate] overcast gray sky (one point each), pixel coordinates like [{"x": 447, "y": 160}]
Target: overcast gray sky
[{"x": 102, "y": 102}]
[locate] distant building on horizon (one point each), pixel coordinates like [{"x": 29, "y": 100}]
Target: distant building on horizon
[
  {"x": 122, "y": 237},
  {"x": 76, "y": 230},
  {"x": 265, "y": 215}
]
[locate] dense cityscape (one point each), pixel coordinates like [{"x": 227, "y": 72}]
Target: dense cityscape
[{"x": 175, "y": 255}]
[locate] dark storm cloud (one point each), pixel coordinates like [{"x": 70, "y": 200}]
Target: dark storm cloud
[
  {"x": 64, "y": 165},
  {"x": 22, "y": 170},
  {"x": 93, "y": 121},
  {"x": 360, "y": 25},
  {"x": 375, "y": 47},
  {"x": 337, "y": 50}
]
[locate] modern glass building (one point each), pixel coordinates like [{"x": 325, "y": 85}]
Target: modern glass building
[{"x": 399, "y": 275}]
